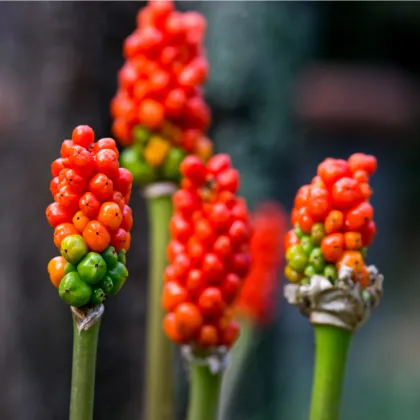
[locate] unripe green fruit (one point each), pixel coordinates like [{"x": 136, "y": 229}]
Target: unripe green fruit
[
  {"x": 74, "y": 291},
  {"x": 73, "y": 248},
  {"x": 92, "y": 268},
  {"x": 306, "y": 244},
  {"x": 118, "y": 276},
  {"x": 316, "y": 259},
  {"x": 106, "y": 284},
  {"x": 330, "y": 272},
  {"x": 170, "y": 167},
  {"x": 98, "y": 296},
  {"x": 317, "y": 233},
  {"x": 110, "y": 256}
]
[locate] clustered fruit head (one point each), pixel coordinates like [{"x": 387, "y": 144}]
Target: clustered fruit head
[
  {"x": 91, "y": 219},
  {"x": 208, "y": 254},
  {"x": 333, "y": 222},
  {"x": 257, "y": 299},
  {"x": 159, "y": 111}
]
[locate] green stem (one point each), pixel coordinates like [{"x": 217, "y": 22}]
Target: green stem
[
  {"x": 204, "y": 393},
  {"x": 83, "y": 375},
  {"x": 331, "y": 348},
  {"x": 238, "y": 357},
  {"x": 159, "y": 400}
]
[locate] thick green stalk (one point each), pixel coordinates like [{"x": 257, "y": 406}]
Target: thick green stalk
[
  {"x": 204, "y": 393},
  {"x": 331, "y": 348},
  {"x": 83, "y": 375},
  {"x": 159, "y": 400}
]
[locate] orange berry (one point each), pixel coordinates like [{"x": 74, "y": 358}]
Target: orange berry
[
  {"x": 96, "y": 236},
  {"x": 151, "y": 113},
  {"x": 62, "y": 231},
  {"x": 360, "y": 161},
  {"x": 332, "y": 246},
  {"x": 334, "y": 221},
  {"x": 188, "y": 319},
  {"x": 363, "y": 277},
  {"x": 127, "y": 242},
  {"x": 207, "y": 336},
  {"x": 351, "y": 259},
  {"x": 352, "y": 240},
  {"x": 169, "y": 326},
  {"x": 173, "y": 295},
  {"x": 110, "y": 215},
  {"x": 80, "y": 220},
  {"x": 56, "y": 270}
]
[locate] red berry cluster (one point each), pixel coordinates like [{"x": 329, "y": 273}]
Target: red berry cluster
[
  {"x": 208, "y": 254},
  {"x": 333, "y": 221},
  {"x": 91, "y": 193},
  {"x": 258, "y": 295},
  {"x": 161, "y": 78}
]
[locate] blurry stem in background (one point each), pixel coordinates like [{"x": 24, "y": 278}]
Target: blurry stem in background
[
  {"x": 238, "y": 357},
  {"x": 331, "y": 348},
  {"x": 159, "y": 381},
  {"x": 86, "y": 332},
  {"x": 204, "y": 393}
]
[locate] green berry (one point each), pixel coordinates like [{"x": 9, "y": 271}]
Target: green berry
[
  {"x": 306, "y": 244},
  {"x": 309, "y": 271},
  {"x": 141, "y": 171},
  {"x": 298, "y": 231},
  {"x": 317, "y": 233},
  {"x": 363, "y": 252},
  {"x": 305, "y": 280},
  {"x": 74, "y": 291},
  {"x": 330, "y": 272},
  {"x": 68, "y": 268},
  {"x": 298, "y": 262},
  {"x": 118, "y": 276},
  {"x": 293, "y": 250},
  {"x": 110, "y": 256},
  {"x": 106, "y": 284},
  {"x": 122, "y": 257},
  {"x": 92, "y": 268},
  {"x": 98, "y": 296},
  {"x": 73, "y": 248},
  {"x": 292, "y": 275},
  {"x": 170, "y": 168},
  {"x": 316, "y": 259},
  {"x": 141, "y": 135}
]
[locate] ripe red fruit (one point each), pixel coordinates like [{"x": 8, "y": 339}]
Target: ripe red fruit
[
  {"x": 318, "y": 203},
  {"x": 105, "y": 143},
  {"x": 208, "y": 336},
  {"x": 106, "y": 161},
  {"x": 219, "y": 216},
  {"x": 83, "y": 136},
  {"x": 173, "y": 295},
  {"x": 57, "y": 166},
  {"x": 76, "y": 182},
  {"x": 188, "y": 319},
  {"x": 368, "y": 233},
  {"x": 173, "y": 249},
  {"x": 118, "y": 198},
  {"x": 185, "y": 202},
  {"x": 346, "y": 193},
  {"x": 331, "y": 170},
  {"x": 239, "y": 263},
  {"x": 238, "y": 232},
  {"x": 332, "y": 246},
  {"x": 360, "y": 161},
  {"x": 219, "y": 163},
  {"x": 127, "y": 218},
  {"x": 228, "y": 180},
  {"x": 181, "y": 265},
  {"x": 54, "y": 186},
  {"x": 89, "y": 205},
  {"x": 230, "y": 287},
  {"x": 151, "y": 113},
  {"x": 302, "y": 196},
  {"x": 120, "y": 239},
  {"x": 101, "y": 186},
  {"x": 80, "y": 157},
  {"x": 290, "y": 239},
  {"x": 66, "y": 148},
  {"x": 211, "y": 302},
  {"x": 230, "y": 334},
  {"x": 58, "y": 214},
  {"x": 222, "y": 247},
  {"x": 195, "y": 282},
  {"x": 181, "y": 229},
  {"x": 213, "y": 268},
  {"x": 359, "y": 216},
  {"x": 193, "y": 168},
  {"x": 305, "y": 220},
  {"x": 204, "y": 232},
  {"x": 123, "y": 181},
  {"x": 196, "y": 251},
  {"x": 67, "y": 198}
]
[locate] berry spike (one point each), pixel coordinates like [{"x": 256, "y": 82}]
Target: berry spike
[
  {"x": 159, "y": 113},
  {"x": 91, "y": 219},
  {"x": 209, "y": 256},
  {"x": 257, "y": 299}
]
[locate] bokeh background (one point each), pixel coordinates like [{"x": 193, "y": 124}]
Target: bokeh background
[{"x": 291, "y": 83}]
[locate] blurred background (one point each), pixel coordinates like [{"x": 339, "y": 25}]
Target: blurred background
[{"x": 291, "y": 83}]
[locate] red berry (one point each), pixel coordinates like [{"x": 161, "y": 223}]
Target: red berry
[
  {"x": 89, "y": 205},
  {"x": 360, "y": 161},
  {"x": 105, "y": 143},
  {"x": 290, "y": 239},
  {"x": 230, "y": 334},
  {"x": 57, "y": 166},
  {"x": 318, "y": 203},
  {"x": 80, "y": 157},
  {"x": 346, "y": 193},
  {"x": 181, "y": 265},
  {"x": 102, "y": 187},
  {"x": 228, "y": 180},
  {"x": 123, "y": 181},
  {"x": 204, "y": 232},
  {"x": 188, "y": 319},
  {"x": 127, "y": 218},
  {"x": 173, "y": 295},
  {"x": 211, "y": 302},
  {"x": 173, "y": 249},
  {"x": 107, "y": 162},
  {"x": 119, "y": 239},
  {"x": 239, "y": 263},
  {"x": 331, "y": 170},
  {"x": 302, "y": 196},
  {"x": 58, "y": 214},
  {"x": 83, "y": 136},
  {"x": 196, "y": 282},
  {"x": 193, "y": 168},
  {"x": 151, "y": 113},
  {"x": 359, "y": 216},
  {"x": 219, "y": 216},
  {"x": 305, "y": 220},
  {"x": 54, "y": 186},
  {"x": 196, "y": 251},
  {"x": 68, "y": 198},
  {"x": 118, "y": 198},
  {"x": 66, "y": 148},
  {"x": 332, "y": 246},
  {"x": 181, "y": 229},
  {"x": 238, "y": 232},
  {"x": 213, "y": 268},
  {"x": 368, "y": 233},
  {"x": 222, "y": 247},
  {"x": 76, "y": 181},
  {"x": 219, "y": 163},
  {"x": 230, "y": 287},
  {"x": 185, "y": 202}
]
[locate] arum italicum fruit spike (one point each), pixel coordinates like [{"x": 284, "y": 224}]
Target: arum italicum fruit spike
[
  {"x": 331, "y": 283},
  {"x": 209, "y": 258},
  {"x": 159, "y": 117},
  {"x": 92, "y": 222}
]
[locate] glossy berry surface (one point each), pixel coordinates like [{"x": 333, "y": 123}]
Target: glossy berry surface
[
  {"x": 91, "y": 219},
  {"x": 333, "y": 221},
  {"x": 209, "y": 255}
]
